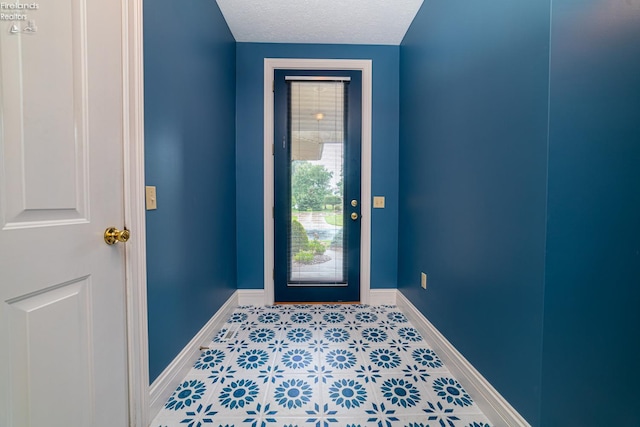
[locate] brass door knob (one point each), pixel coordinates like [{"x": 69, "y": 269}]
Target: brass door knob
[
  {"x": 112, "y": 235},
  {"x": 354, "y": 216}
]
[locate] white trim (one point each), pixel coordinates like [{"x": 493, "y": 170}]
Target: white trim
[
  {"x": 492, "y": 404},
  {"x": 364, "y": 65},
  {"x": 382, "y": 296},
  {"x": 134, "y": 213},
  {"x": 251, "y": 297},
  {"x": 168, "y": 380}
]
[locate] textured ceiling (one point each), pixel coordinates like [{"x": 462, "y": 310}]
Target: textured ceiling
[{"x": 315, "y": 21}]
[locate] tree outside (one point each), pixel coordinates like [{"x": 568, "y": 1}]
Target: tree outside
[{"x": 309, "y": 186}]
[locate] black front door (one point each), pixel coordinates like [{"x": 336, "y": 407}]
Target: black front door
[{"x": 317, "y": 185}]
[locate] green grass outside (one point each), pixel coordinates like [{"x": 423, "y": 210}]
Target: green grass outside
[{"x": 334, "y": 219}]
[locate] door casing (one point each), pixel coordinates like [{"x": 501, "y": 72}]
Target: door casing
[
  {"x": 364, "y": 65},
  {"x": 134, "y": 213}
]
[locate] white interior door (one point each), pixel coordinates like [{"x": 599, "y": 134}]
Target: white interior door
[{"x": 62, "y": 296}]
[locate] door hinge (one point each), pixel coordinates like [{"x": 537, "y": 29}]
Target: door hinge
[
  {"x": 273, "y": 212},
  {"x": 273, "y": 149},
  {"x": 273, "y": 86},
  {"x": 273, "y": 273}
]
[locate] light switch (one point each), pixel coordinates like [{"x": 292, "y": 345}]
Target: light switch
[
  {"x": 152, "y": 202},
  {"x": 378, "y": 202}
]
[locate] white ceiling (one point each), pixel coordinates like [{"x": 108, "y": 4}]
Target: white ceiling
[{"x": 320, "y": 21}]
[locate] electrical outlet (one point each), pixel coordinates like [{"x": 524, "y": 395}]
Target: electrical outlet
[{"x": 423, "y": 280}]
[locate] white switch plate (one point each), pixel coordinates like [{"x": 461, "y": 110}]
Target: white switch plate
[
  {"x": 152, "y": 201},
  {"x": 378, "y": 202},
  {"x": 423, "y": 280}
]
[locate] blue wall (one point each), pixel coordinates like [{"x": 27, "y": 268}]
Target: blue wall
[
  {"x": 189, "y": 56},
  {"x": 473, "y": 147},
  {"x": 539, "y": 291},
  {"x": 250, "y": 170},
  {"x": 592, "y": 296}
]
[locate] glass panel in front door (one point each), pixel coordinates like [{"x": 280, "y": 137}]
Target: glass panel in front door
[{"x": 316, "y": 165}]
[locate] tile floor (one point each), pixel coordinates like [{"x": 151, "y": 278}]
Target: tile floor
[{"x": 321, "y": 366}]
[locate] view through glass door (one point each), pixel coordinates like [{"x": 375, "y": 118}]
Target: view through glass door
[{"x": 317, "y": 185}]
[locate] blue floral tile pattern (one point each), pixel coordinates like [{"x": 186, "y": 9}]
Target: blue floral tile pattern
[
  {"x": 293, "y": 393},
  {"x": 384, "y": 358},
  {"x": 374, "y": 335},
  {"x": 366, "y": 317},
  {"x": 299, "y": 335},
  {"x": 450, "y": 390},
  {"x": 399, "y": 345},
  {"x": 222, "y": 374},
  {"x": 415, "y": 373},
  {"x": 187, "y": 393},
  {"x": 319, "y": 346},
  {"x": 400, "y": 392},
  {"x": 301, "y": 317},
  {"x": 331, "y": 365},
  {"x": 252, "y": 359},
  {"x": 237, "y": 317},
  {"x": 381, "y": 415},
  {"x": 444, "y": 416},
  {"x": 297, "y": 358},
  {"x": 209, "y": 359},
  {"x": 278, "y": 346},
  {"x": 262, "y": 335},
  {"x": 333, "y": 317},
  {"x": 359, "y": 345},
  {"x": 409, "y": 334},
  {"x": 348, "y": 393},
  {"x": 269, "y": 317},
  {"x": 271, "y": 374},
  {"x": 319, "y": 374},
  {"x": 340, "y": 359},
  {"x": 199, "y": 416},
  {"x": 368, "y": 373},
  {"x": 238, "y": 394},
  {"x": 396, "y": 316},
  {"x": 336, "y": 335}
]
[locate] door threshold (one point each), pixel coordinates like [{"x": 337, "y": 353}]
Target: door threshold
[{"x": 317, "y": 303}]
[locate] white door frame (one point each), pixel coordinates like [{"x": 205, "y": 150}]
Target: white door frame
[
  {"x": 134, "y": 215},
  {"x": 364, "y": 65}
]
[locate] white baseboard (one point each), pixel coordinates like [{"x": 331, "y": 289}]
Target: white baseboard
[
  {"x": 382, "y": 296},
  {"x": 168, "y": 380},
  {"x": 251, "y": 297},
  {"x": 492, "y": 404}
]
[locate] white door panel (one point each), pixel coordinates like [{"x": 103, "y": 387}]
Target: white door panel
[
  {"x": 44, "y": 98},
  {"x": 62, "y": 290},
  {"x": 44, "y": 373}
]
